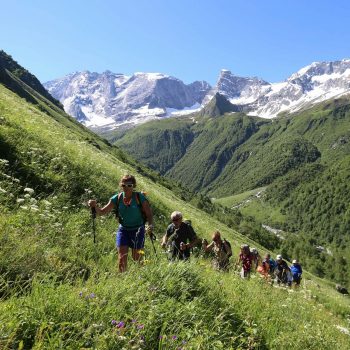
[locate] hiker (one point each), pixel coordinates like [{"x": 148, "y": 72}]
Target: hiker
[
  {"x": 256, "y": 257},
  {"x": 296, "y": 271},
  {"x": 180, "y": 236},
  {"x": 282, "y": 271},
  {"x": 265, "y": 267},
  {"x": 131, "y": 207},
  {"x": 221, "y": 249},
  {"x": 272, "y": 265},
  {"x": 246, "y": 259}
]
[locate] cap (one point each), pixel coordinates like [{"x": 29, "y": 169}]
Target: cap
[
  {"x": 294, "y": 261},
  {"x": 279, "y": 257}
]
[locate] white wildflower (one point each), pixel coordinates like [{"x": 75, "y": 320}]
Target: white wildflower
[
  {"x": 344, "y": 330},
  {"x": 20, "y": 200},
  {"x": 27, "y": 195},
  {"x": 47, "y": 203},
  {"x": 34, "y": 208},
  {"x": 2, "y": 190},
  {"x": 29, "y": 190},
  {"x": 24, "y": 207}
]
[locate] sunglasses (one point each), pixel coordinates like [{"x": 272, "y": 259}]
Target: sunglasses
[
  {"x": 175, "y": 220},
  {"x": 127, "y": 185}
]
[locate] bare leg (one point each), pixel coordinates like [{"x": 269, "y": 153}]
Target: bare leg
[
  {"x": 136, "y": 255},
  {"x": 123, "y": 257}
]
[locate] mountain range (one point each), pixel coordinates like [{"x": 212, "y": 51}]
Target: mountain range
[{"x": 108, "y": 100}]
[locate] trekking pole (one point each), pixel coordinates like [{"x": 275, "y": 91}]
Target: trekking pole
[
  {"x": 93, "y": 215},
  {"x": 153, "y": 238}
]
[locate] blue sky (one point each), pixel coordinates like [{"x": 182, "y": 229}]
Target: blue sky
[{"x": 192, "y": 40}]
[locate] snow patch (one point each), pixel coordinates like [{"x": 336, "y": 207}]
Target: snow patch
[{"x": 170, "y": 112}]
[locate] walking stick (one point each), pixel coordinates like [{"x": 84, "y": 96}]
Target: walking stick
[
  {"x": 93, "y": 215},
  {"x": 153, "y": 238}
]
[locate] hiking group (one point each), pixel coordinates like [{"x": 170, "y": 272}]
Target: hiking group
[{"x": 133, "y": 211}]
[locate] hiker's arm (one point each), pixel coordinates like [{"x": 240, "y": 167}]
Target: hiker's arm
[
  {"x": 148, "y": 211},
  {"x": 228, "y": 249},
  {"x": 209, "y": 247},
  {"x": 164, "y": 240},
  {"x": 193, "y": 238},
  {"x": 194, "y": 241},
  {"x": 101, "y": 211}
]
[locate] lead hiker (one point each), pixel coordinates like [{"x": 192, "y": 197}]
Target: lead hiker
[
  {"x": 133, "y": 210},
  {"x": 221, "y": 249},
  {"x": 180, "y": 236}
]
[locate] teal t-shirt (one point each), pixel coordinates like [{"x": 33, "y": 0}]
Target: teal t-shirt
[{"x": 130, "y": 215}]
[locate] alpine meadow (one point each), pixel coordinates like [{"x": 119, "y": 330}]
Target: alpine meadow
[{"x": 61, "y": 290}]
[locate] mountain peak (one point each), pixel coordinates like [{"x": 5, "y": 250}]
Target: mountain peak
[{"x": 218, "y": 105}]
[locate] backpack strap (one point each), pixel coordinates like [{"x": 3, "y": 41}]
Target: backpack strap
[
  {"x": 116, "y": 211},
  {"x": 138, "y": 201}
]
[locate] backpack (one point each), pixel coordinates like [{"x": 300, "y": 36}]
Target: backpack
[
  {"x": 224, "y": 241},
  {"x": 187, "y": 222},
  {"x": 138, "y": 201}
]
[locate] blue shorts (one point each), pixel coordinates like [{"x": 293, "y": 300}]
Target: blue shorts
[{"x": 134, "y": 239}]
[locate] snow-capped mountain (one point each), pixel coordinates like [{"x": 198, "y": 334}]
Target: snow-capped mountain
[
  {"x": 315, "y": 83},
  {"x": 110, "y": 99},
  {"x": 241, "y": 90}
]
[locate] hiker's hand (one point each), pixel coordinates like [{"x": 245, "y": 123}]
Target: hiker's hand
[
  {"x": 149, "y": 231},
  {"x": 92, "y": 203},
  {"x": 163, "y": 245},
  {"x": 183, "y": 246},
  {"x": 204, "y": 243}
]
